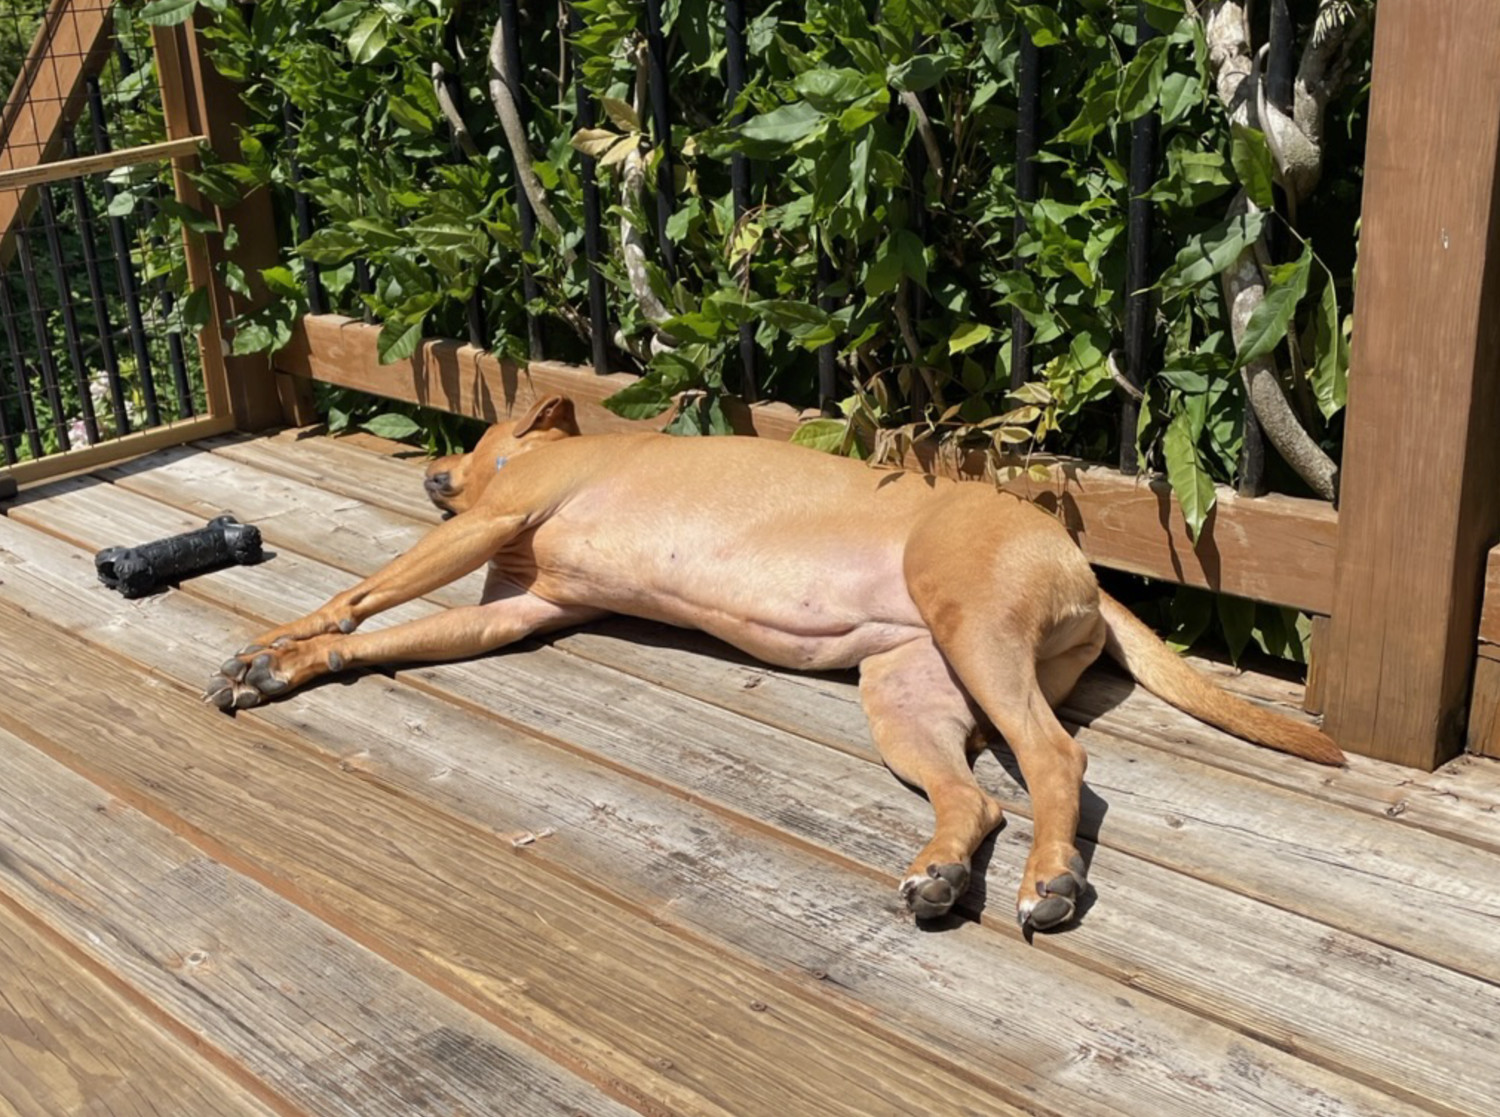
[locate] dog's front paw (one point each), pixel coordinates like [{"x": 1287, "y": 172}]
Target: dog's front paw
[{"x": 257, "y": 674}]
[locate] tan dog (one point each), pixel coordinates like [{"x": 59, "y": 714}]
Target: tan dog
[{"x": 952, "y": 600}]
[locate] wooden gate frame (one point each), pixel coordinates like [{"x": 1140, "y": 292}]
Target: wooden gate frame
[{"x": 200, "y": 108}]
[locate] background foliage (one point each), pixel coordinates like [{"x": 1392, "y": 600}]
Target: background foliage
[{"x": 834, "y": 167}]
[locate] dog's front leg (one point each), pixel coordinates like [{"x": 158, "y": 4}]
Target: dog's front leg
[
  {"x": 251, "y": 678},
  {"x": 445, "y": 554}
]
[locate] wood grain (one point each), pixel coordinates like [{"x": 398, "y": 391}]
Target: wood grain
[
  {"x": 69, "y": 1044},
  {"x": 640, "y": 1010},
  {"x": 290, "y": 1006},
  {"x": 1484, "y": 708},
  {"x": 1489, "y": 617},
  {"x": 1273, "y": 548},
  {"x": 805, "y": 914},
  {"x": 1419, "y": 503}
]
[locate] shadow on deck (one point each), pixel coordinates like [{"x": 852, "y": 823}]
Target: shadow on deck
[{"x": 628, "y": 870}]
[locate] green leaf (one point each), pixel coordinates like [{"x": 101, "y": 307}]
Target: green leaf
[
  {"x": 783, "y": 126},
  {"x": 280, "y": 281},
  {"x": 368, "y": 38},
  {"x": 392, "y": 425},
  {"x": 1185, "y": 471},
  {"x": 398, "y": 340},
  {"x": 1141, "y": 85},
  {"x": 1207, "y": 255},
  {"x": 168, "y": 13},
  {"x": 1043, "y": 24},
  {"x": 831, "y": 90},
  {"x": 330, "y": 246},
  {"x": 1251, "y": 156},
  {"x": 967, "y": 336},
  {"x": 1237, "y": 618},
  {"x": 1269, "y": 321},
  {"x": 645, "y": 399},
  {"x": 235, "y": 279},
  {"x": 921, "y": 71},
  {"x": 822, "y": 434},
  {"x": 195, "y": 309},
  {"x": 1330, "y": 372},
  {"x": 1180, "y": 93}
]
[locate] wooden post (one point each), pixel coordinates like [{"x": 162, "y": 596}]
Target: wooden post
[
  {"x": 1420, "y": 501},
  {"x": 197, "y": 99}
]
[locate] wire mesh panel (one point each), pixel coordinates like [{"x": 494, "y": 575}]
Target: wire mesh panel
[{"x": 93, "y": 342}]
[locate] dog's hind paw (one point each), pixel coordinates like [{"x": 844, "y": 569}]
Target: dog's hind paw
[
  {"x": 1054, "y": 901},
  {"x": 933, "y": 895}
]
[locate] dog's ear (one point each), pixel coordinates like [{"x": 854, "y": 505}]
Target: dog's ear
[{"x": 548, "y": 413}]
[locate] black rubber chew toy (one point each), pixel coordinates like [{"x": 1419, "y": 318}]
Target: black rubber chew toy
[{"x": 136, "y": 571}]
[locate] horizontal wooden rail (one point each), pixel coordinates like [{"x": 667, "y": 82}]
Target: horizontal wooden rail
[
  {"x": 1275, "y": 549},
  {"x": 94, "y": 164},
  {"x": 112, "y": 450}
]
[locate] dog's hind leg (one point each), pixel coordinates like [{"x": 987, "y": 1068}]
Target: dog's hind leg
[{"x": 922, "y": 723}]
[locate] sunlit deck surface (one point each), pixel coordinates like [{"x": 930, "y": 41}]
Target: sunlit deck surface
[{"x": 627, "y": 870}]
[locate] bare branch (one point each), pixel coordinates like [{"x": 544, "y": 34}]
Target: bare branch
[
  {"x": 451, "y": 111},
  {"x": 924, "y": 130},
  {"x": 504, "y": 90}
]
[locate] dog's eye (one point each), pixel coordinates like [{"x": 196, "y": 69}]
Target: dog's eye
[{"x": 499, "y": 462}]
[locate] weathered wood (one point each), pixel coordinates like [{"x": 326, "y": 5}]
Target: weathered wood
[
  {"x": 1419, "y": 503},
  {"x": 72, "y": 1045},
  {"x": 1273, "y": 548},
  {"x": 774, "y": 901},
  {"x": 1489, "y": 617},
  {"x": 642, "y": 1011},
  {"x": 71, "y": 42},
  {"x": 114, "y": 449},
  {"x": 60, "y": 169},
  {"x": 1484, "y": 708},
  {"x": 1317, "y": 666},
  {"x": 1466, "y": 809},
  {"x": 295, "y": 1010}
]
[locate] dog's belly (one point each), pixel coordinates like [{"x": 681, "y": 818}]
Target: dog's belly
[{"x": 816, "y": 604}]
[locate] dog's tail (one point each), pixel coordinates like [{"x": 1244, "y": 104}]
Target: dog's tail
[{"x": 1156, "y": 667}]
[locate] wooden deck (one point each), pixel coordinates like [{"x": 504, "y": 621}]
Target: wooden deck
[{"x": 629, "y": 871}]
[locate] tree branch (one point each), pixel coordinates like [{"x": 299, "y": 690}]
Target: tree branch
[{"x": 504, "y": 90}]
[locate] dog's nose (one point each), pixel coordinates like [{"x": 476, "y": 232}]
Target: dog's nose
[{"x": 438, "y": 482}]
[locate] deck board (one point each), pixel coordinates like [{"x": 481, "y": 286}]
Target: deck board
[
  {"x": 730, "y": 822},
  {"x": 274, "y": 993},
  {"x": 1197, "y": 818}
]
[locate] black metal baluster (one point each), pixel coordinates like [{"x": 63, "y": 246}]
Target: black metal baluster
[
  {"x": 176, "y": 358},
  {"x": 529, "y": 289},
  {"x": 593, "y": 231},
  {"x": 83, "y": 214},
  {"x": 1028, "y": 103},
  {"x": 317, "y": 298},
  {"x": 661, "y": 134},
  {"x": 124, "y": 273},
  {"x": 71, "y": 336},
  {"x": 1144, "y": 133},
  {"x": 739, "y": 178},
  {"x": 22, "y": 369},
  {"x": 366, "y": 286},
  {"x": 39, "y": 331},
  {"x": 828, "y": 374}
]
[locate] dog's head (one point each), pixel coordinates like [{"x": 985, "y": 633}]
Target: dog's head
[{"x": 455, "y": 483}]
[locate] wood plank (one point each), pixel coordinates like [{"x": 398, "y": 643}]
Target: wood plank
[
  {"x": 1489, "y": 617},
  {"x": 281, "y": 999},
  {"x": 1420, "y": 507},
  {"x": 1272, "y": 548},
  {"x": 114, "y": 449},
  {"x": 807, "y": 915},
  {"x": 1484, "y": 708},
  {"x": 72, "y": 1045},
  {"x": 641, "y": 1010},
  {"x": 1466, "y": 809},
  {"x": 60, "y": 169}
]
